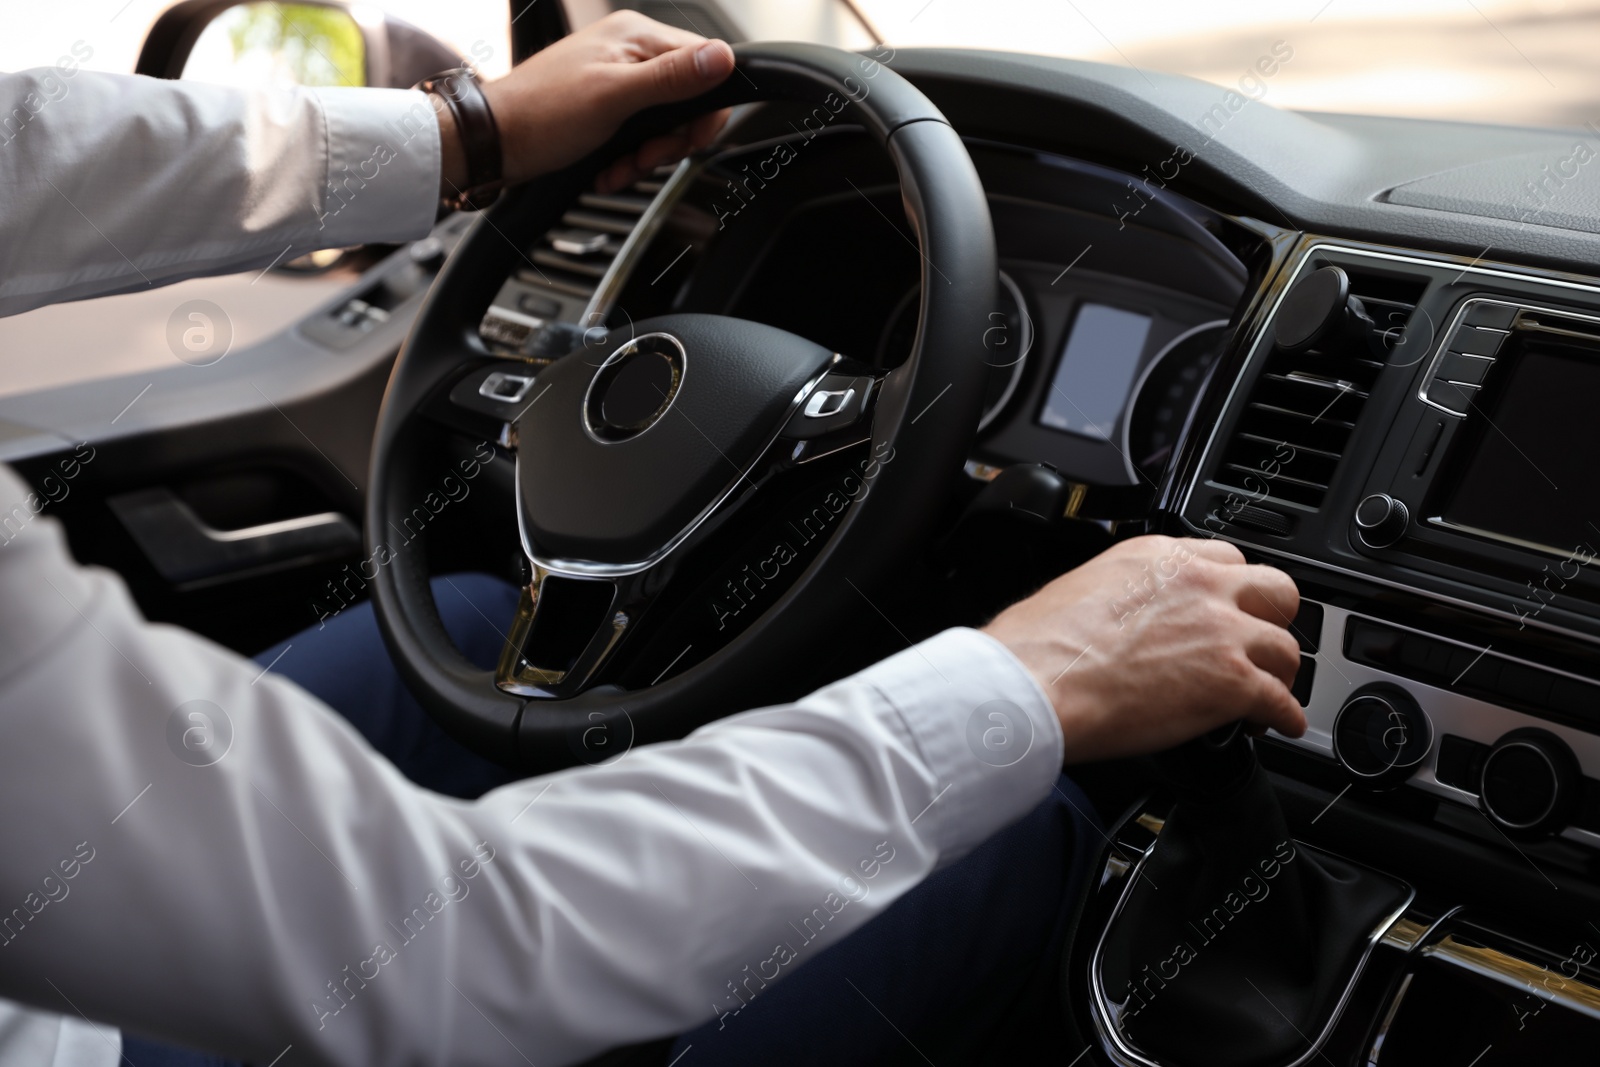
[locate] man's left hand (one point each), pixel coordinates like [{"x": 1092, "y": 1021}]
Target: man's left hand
[{"x": 567, "y": 100}]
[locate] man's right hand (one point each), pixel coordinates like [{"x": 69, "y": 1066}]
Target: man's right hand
[{"x": 1158, "y": 640}]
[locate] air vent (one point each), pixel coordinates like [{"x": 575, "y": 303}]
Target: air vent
[
  {"x": 1304, "y": 405},
  {"x": 575, "y": 255},
  {"x": 559, "y": 275}
]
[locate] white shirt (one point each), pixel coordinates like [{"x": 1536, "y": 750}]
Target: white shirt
[{"x": 299, "y": 893}]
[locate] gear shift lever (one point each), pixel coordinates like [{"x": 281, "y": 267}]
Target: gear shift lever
[
  {"x": 1235, "y": 944},
  {"x": 1211, "y": 767}
]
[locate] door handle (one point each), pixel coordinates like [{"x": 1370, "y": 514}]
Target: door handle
[{"x": 186, "y": 550}]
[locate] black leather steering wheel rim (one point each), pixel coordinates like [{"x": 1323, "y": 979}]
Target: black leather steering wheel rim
[{"x": 927, "y": 411}]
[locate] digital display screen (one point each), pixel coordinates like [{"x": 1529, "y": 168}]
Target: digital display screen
[
  {"x": 1095, "y": 373},
  {"x": 1530, "y": 473}
]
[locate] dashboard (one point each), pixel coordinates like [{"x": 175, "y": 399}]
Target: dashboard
[{"x": 1304, "y": 361}]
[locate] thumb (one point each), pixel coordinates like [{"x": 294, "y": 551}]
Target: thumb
[{"x": 680, "y": 74}]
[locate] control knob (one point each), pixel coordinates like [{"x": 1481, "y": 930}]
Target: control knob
[
  {"x": 1529, "y": 783},
  {"x": 1381, "y": 735},
  {"x": 1381, "y": 520}
]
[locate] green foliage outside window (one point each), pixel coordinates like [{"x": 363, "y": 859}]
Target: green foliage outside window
[{"x": 322, "y": 46}]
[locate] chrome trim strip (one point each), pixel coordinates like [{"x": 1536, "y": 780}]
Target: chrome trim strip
[
  {"x": 609, "y": 287},
  {"x": 628, "y": 348},
  {"x": 1388, "y": 1019},
  {"x": 1518, "y": 973},
  {"x": 1144, "y": 376},
  {"x": 1127, "y": 1056},
  {"x": 1490, "y": 535},
  {"x": 1021, "y": 363},
  {"x": 320, "y": 520},
  {"x": 580, "y": 568}
]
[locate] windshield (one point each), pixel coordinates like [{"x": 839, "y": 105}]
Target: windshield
[{"x": 1522, "y": 62}]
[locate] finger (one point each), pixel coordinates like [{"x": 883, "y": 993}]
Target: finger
[
  {"x": 704, "y": 130},
  {"x": 678, "y": 74},
  {"x": 1274, "y": 707},
  {"x": 618, "y": 176},
  {"x": 668, "y": 148},
  {"x": 1216, "y": 551},
  {"x": 649, "y": 38},
  {"x": 1273, "y": 649},
  {"x": 1267, "y": 593}
]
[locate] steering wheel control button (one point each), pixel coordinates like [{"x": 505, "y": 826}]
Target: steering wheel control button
[
  {"x": 506, "y": 388},
  {"x": 634, "y": 387},
  {"x": 1381, "y": 736},
  {"x": 498, "y": 391},
  {"x": 1530, "y": 783},
  {"x": 837, "y": 403},
  {"x": 825, "y": 402},
  {"x": 1381, "y": 520}
]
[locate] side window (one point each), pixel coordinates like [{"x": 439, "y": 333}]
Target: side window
[{"x": 256, "y": 44}]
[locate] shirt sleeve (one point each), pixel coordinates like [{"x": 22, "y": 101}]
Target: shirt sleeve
[
  {"x": 110, "y": 183},
  {"x": 210, "y": 856}
]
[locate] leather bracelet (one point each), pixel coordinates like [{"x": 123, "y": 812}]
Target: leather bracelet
[{"x": 480, "y": 136}]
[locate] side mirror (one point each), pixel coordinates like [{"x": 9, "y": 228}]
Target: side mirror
[
  {"x": 265, "y": 45},
  {"x": 261, "y": 44}
]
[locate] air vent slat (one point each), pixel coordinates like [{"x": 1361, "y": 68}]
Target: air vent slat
[
  {"x": 1310, "y": 418},
  {"x": 1254, "y": 472},
  {"x": 621, "y": 225},
  {"x": 589, "y": 268},
  {"x": 1257, "y": 439},
  {"x": 1302, "y": 408},
  {"x": 554, "y": 280},
  {"x": 628, "y": 205}
]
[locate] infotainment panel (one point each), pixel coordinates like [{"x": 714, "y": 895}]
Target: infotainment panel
[{"x": 1527, "y": 469}]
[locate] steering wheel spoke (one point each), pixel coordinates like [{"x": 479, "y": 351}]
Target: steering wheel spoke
[{"x": 564, "y": 631}]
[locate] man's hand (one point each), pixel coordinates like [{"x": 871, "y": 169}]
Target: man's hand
[
  {"x": 567, "y": 100},
  {"x": 1158, "y": 640}
]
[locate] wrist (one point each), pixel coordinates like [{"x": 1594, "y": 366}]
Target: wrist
[
  {"x": 470, "y": 152},
  {"x": 452, "y": 156}
]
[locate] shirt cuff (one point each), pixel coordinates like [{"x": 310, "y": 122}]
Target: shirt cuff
[
  {"x": 383, "y": 166},
  {"x": 984, "y": 727}
]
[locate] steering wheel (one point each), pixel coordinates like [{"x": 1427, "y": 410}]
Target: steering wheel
[{"x": 640, "y": 464}]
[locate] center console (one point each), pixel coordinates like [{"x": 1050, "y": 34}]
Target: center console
[{"x": 1413, "y": 438}]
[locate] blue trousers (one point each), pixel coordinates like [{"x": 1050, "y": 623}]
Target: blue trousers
[{"x": 962, "y": 968}]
